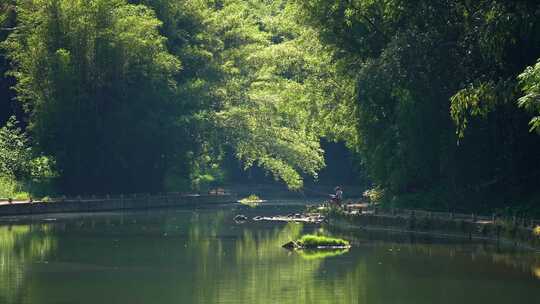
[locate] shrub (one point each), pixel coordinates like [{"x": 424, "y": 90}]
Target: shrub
[
  {"x": 536, "y": 231},
  {"x": 374, "y": 195},
  {"x": 21, "y": 196},
  {"x": 8, "y": 187}
]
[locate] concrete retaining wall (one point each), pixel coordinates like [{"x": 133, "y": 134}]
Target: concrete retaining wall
[
  {"x": 499, "y": 229},
  {"x": 111, "y": 204}
]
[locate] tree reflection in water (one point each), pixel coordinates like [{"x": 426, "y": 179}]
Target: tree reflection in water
[
  {"x": 20, "y": 246},
  {"x": 256, "y": 269},
  {"x": 203, "y": 256}
]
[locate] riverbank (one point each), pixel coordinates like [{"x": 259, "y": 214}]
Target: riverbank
[
  {"x": 112, "y": 203},
  {"x": 519, "y": 231}
]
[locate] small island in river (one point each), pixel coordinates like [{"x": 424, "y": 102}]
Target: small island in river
[{"x": 310, "y": 241}]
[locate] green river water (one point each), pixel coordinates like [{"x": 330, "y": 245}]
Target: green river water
[{"x": 203, "y": 256}]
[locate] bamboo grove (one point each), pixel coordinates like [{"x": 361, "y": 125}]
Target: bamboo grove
[{"x": 438, "y": 100}]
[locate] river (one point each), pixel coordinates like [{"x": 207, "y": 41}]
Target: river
[{"x": 203, "y": 256}]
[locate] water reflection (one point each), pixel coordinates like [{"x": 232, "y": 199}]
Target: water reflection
[
  {"x": 203, "y": 256},
  {"x": 21, "y": 245},
  {"x": 321, "y": 254},
  {"x": 263, "y": 272}
]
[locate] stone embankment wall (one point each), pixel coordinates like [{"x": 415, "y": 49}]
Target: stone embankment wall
[
  {"x": 108, "y": 203},
  {"x": 517, "y": 230}
]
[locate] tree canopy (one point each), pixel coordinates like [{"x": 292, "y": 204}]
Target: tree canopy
[
  {"x": 434, "y": 98},
  {"x": 423, "y": 66}
]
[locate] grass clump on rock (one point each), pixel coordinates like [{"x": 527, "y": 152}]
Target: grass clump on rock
[
  {"x": 314, "y": 241},
  {"x": 311, "y": 241},
  {"x": 252, "y": 200}
]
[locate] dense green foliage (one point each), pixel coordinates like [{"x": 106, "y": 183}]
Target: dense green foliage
[
  {"x": 422, "y": 66},
  {"x": 149, "y": 95},
  {"x": 98, "y": 83},
  {"x": 435, "y": 98},
  {"x": 530, "y": 82},
  {"x": 20, "y": 166},
  {"x": 7, "y": 105}
]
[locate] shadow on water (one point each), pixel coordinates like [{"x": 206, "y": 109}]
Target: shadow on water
[{"x": 203, "y": 256}]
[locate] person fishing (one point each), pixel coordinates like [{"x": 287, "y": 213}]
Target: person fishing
[{"x": 338, "y": 196}]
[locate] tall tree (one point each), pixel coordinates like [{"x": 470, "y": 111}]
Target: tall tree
[
  {"x": 98, "y": 83},
  {"x": 7, "y": 23},
  {"x": 421, "y": 63},
  {"x": 281, "y": 90}
]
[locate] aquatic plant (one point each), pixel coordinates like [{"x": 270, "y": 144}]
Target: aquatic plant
[
  {"x": 251, "y": 201},
  {"x": 315, "y": 241},
  {"x": 251, "y": 198}
]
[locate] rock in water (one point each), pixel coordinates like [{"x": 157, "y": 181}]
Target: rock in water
[
  {"x": 290, "y": 245},
  {"x": 240, "y": 218}
]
